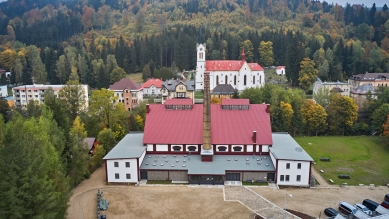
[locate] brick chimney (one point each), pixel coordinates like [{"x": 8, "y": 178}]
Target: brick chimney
[
  {"x": 268, "y": 108},
  {"x": 254, "y": 136},
  {"x": 206, "y": 150}
]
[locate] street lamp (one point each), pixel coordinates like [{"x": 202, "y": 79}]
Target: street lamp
[{"x": 285, "y": 204}]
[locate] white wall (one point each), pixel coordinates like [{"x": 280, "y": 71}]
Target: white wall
[
  {"x": 122, "y": 170},
  {"x": 293, "y": 172},
  {"x": 162, "y": 147},
  {"x": 273, "y": 160},
  {"x": 141, "y": 158},
  {"x": 3, "y": 91},
  {"x": 249, "y": 148},
  {"x": 150, "y": 147},
  {"x": 265, "y": 148}
]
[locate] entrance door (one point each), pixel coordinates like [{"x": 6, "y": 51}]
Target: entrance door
[
  {"x": 270, "y": 177},
  {"x": 232, "y": 176},
  {"x": 143, "y": 174}
]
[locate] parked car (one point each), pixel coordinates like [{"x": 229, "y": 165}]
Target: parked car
[
  {"x": 386, "y": 197},
  {"x": 330, "y": 212},
  {"x": 371, "y": 205},
  {"x": 363, "y": 208},
  {"x": 385, "y": 204},
  {"x": 346, "y": 208}
]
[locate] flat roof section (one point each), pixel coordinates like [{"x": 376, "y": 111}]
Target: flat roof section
[
  {"x": 286, "y": 148},
  {"x": 129, "y": 147},
  {"x": 219, "y": 165}
]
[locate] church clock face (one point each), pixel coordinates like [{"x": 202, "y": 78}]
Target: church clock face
[{"x": 201, "y": 49}]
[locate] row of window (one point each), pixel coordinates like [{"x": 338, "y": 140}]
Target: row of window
[
  {"x": 244, "y": 79},
  {"x": 286, "y": 178},
  {"x": 117, "y": 176},
  {"x": 288, "y": 165},
  {"x": 116, "y": 164},
  {"x": 35, "y": 91}
]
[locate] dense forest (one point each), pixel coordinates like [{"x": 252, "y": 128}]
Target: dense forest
[{"x": 42, "y": 149}]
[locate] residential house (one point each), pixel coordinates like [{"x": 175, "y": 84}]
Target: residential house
[
  {"x": 152, "y": 87},
  {"x": 359, "y": 95},
  {"x": 128, "y": 92},
  {"x": 374, "y": 79},
  {"x": 280, "y": 70},
  {"x": 239, "y": 73},
  {"x": 91, "y": 144},
  {"x": 343, "y": 88},
  {"x": 177, "y": 89},
  {"x": 22, "y": 95},
  {"x": 223, "y": 91}
]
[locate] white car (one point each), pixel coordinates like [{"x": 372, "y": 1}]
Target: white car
[{"x": 363, "y": 208}]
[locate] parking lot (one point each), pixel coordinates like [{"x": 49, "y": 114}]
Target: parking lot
[{"x": 186, "y": 202}]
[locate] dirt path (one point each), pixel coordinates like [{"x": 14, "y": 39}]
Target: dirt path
[{"x": 319, "y": 178}]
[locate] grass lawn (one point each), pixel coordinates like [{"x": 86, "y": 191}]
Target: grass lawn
[
  {"x": 364, "y": 158},
  {"x": 137, "y": 77},
  {"x": 199, "y": 95},
  {"x": 9, "y": 91},
  {"x": 159, "y": 182},
  {"x": 255, "y": 184}
]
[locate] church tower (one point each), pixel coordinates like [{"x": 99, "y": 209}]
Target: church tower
[{"x": 200, "y": 68}]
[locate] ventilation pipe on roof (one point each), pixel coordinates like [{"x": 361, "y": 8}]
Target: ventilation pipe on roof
[
  {"x": 147, "y": 108},
  {"x": 254, "y": 136},
  {"x": 268, "y": 108}
]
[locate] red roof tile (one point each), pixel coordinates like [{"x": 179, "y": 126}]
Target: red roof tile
[
  {"x": 255, "y": 67},
  {"x": 125, "y": 83},
  {"x": 235, "y": 101},
  {"x": 237, "y": 126},
  {"x": 229, "y": 65},
  {"x": 280, "y": 67},
  {"x": 173, "y": 126},
  {"x": 153, "y": 81},
  {"x": 179, "y": 102}
]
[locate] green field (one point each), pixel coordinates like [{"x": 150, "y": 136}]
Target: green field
[{"x": 364, "y": 158}]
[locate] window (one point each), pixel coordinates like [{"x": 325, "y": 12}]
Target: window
[
  {"x": 282, "y": 178},
  {"x": 217, "y": 79},
  {"x": 36, "y": 96},
  {"x": 127, "y": 164},
  {"x": 222, "y": 148},
  {"x": 117, "y": 176},
  {"x": 298, "y": 165},
  {"x": 192, "y": 148},
  {"x": 254, "y": 79},
  {"x": 287, "y": 165},
  {"x": 29, "y": 91},
  {"x": 23, "y": 96},
  {"x": 181, "y": 94},
  {"x": 260, "y": 79},
  {"x": 298, "y": 178},
  {"x": 35, "y": 91},
  {"x": 176, "y": 148},
  {"x": 226, "y": 80},
  {"x": 287, "y": 178},
  {"x": 235, "y": 80},
  {"x": 128, "y": 176},
  {"x": 238, "y": 148},
  {"x": 116, "y": 164},
  {"x": 244, "y": 80},
  {"x": 126, "y": 91}
]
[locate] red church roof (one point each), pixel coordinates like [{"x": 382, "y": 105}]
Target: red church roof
[
  {"x": 164, "y": 126},
  {"x": 237, "y": 126},
  {"x": 229, "y": 65},
  {"x": 153, "y": 81}
]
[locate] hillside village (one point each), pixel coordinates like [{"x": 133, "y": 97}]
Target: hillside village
[{"x": 253, "y": 109}]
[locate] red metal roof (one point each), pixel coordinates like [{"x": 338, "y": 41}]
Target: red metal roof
[
  {"x": 125, "y": 83},
  {"x": 153, "y": 81},
  {"x": 178, "y": 102},
  {"x": 173, "y": 126},
  {"x": 235, "y": 101},
  {"x": 255, "y": 67},
  {"x": 280, "y": 67},
  {"x": 230, "y": 65},
  {"x": 227, "y": 126},
  {"x": 237, "y": 126}
]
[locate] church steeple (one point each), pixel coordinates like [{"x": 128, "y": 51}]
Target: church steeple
[{"x": 243, "y": 55}]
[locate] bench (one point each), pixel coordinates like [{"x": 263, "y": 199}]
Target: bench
[
  {"x": 260, "y": 181},
  {"x": 344, "y": 176},
  {"x": 250, "y": 181},
  {"x": 326, "y": 159}
]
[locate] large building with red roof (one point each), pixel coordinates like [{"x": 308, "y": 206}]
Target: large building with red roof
[
  {"x": 152, "y": 87},
  {"x": 238, "y": 73}
]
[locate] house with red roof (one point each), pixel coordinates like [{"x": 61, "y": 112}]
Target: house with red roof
[
  {"x": 280, "y": 70},
  {"x": 152, "y": 87},
  {"x": 238, "y": 73},
  {"x": 128, "y": 92}
]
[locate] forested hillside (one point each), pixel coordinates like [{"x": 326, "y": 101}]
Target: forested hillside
[{"x": 91, "y": 38}]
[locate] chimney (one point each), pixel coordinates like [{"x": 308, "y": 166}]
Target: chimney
[
  {"x": 206, "y": 114},
  {"x": 268, "y": 108},
  {"x": 147, "y": 108},
  {"x": 243, "y": 55},
  {"x": 254, "y": 136}
]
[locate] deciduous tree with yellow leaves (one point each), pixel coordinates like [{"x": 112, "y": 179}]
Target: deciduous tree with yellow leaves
[
  {"x": 307, "y": 74},
  {"x": 314, "y": 116},
  {"x": 342, "y": 113}
]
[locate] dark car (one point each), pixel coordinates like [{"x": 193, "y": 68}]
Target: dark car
[
  {"x": 372, "y": 205},
  {"x": 385, "y": 204},
  {"x": 386, "y": 197},
  {"x": 330, "y": 212}
]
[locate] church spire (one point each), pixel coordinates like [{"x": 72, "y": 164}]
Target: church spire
[{"x": 243, "y": 55}]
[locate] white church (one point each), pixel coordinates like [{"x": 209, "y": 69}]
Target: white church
[{"x": 238, "y": 73}]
